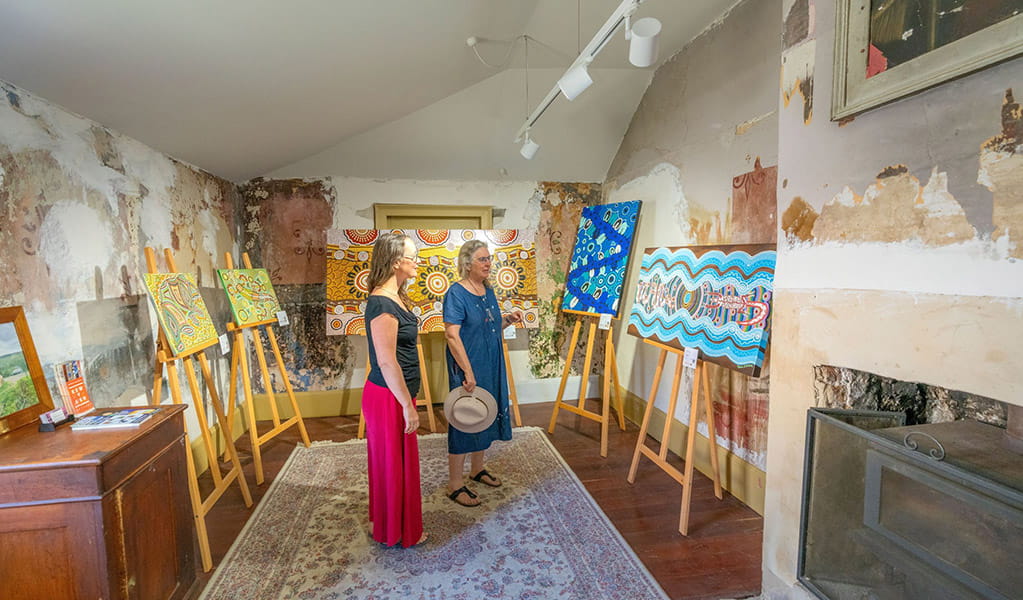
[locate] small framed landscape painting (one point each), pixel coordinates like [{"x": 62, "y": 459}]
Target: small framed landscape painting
[{"x": 24, "y": 394}]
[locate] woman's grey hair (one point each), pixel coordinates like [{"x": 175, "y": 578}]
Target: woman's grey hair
[{"x": 465, "y": 257}]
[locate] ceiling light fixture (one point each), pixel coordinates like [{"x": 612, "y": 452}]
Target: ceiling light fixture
[
  {"x": 529, "y": 148},
  {"x": 642, "y": 53},
  {"x": 643, "y": 42},
  {"x": 575, "y": 81}
]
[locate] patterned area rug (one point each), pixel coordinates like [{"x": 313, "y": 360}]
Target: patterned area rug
[{"x": 540, "y": 535}]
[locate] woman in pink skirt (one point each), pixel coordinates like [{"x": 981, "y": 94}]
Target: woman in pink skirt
[{"x": 388, "y": 400}]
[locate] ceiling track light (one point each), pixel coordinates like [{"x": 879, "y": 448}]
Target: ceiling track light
[
  {"x": 529, "y": 148},
  {"x": 575, "y": 81},
  {"x": 642, "y": 38}
]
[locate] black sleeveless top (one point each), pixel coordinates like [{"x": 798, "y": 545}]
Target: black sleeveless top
[{"x": 405, "y": 350}]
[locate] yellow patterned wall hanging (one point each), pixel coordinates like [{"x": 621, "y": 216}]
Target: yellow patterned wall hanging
[{"x": 513, "y": 274}]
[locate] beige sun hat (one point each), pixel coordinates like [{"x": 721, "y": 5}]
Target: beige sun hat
[{"x": 470, "y": 412}]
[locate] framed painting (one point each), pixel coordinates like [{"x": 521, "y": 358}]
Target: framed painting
[
  {"x": 716, "y": 299},
  {"x": 600, "y": 257},
  {"x": 513, "y": 274},
  {"x": 251, "y": 296},
  {"x": 24, "y": 393},
  {"x": 888, "y": 49},
  {"x": 183, "y": 316}
]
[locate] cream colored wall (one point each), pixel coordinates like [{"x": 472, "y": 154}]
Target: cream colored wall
[
  {"x": 79, "y": 204},
  {"x": 968, "y": 343},
  {"x": 909, "y": 270},
  {"x": 708, "y": 116},
  {"x": 517, "y": 204}
]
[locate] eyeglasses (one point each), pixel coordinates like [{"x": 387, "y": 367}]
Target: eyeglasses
[
  {"x": 485, "y": 259},
  {"x": 414, "y": 259}
]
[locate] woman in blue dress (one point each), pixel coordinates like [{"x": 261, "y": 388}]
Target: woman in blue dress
[{"x": 473, "y": 326}]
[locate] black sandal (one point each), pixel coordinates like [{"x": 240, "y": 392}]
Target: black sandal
[
  {"x": 463, "y": 490},
  {"x": 478, "y": 477}
]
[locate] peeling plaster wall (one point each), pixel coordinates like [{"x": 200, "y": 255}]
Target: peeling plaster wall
[
  {"x": 899, "y": 249},
  {"x": 285, "y": 223},
  {"x": 708, "y": 118},
  {"x": 78, "y": 203}
]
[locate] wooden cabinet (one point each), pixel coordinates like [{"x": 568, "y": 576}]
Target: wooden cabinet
[{"x": 97, "y": 514}]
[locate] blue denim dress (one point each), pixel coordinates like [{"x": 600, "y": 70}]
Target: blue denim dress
[{"x": 480, "y": 318}]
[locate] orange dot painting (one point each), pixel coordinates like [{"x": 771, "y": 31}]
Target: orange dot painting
[{"x": 513, "y": 274}]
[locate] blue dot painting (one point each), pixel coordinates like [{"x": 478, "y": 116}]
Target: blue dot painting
[
  {"x": 600, "y": 256},
  {"x": 716, "y": 299}
]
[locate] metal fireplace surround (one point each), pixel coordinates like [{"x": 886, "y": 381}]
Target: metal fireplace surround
[{"x": 924, "y": 511}]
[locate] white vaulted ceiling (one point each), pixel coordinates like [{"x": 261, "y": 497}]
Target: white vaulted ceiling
[{"x": 381, "y": 88}]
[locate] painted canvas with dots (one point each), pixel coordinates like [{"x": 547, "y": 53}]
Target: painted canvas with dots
[
  {"x": 250, "y": 294},
  {"x": 512, "y": 275},
  {"x": 600, "y": 256},
  {"x": 714, "y": 298},
  {"x": 183, "y": 316}
]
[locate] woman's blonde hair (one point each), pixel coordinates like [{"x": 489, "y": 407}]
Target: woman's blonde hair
[
  {"x": 388, "y": 250},
  {"x": 465, "y": 258}
]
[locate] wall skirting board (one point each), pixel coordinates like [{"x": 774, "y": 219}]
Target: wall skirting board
[{"x": 741, "y": 479}]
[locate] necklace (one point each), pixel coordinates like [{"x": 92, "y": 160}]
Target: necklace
[
  {"x": 481, "y": 292},
  {"x": 393, "y": 295}
]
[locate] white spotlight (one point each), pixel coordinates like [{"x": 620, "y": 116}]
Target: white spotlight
[
  {"x": 643, "y": 44},
  {"x": 575, "y": 81},
  {"x": 529, "y": 148}
]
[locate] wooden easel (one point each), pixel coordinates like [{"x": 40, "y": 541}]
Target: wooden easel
[
  {"x": 164, "y": 356},
  {"x": 512, "y": 396},
  {"x": 239, "y": 357},
  {"x": 610, "y": 380},
  {"x": 700, "y": 380},
  {"x": 424, "y": 387}
]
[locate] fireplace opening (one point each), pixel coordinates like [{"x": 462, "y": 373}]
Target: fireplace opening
[{"x": 909, "y": 491}]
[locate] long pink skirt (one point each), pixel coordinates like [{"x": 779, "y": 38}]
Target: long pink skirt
[{"x": 395, "y": 498}]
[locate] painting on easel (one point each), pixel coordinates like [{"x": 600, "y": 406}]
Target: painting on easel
[
  {"x": 513, "y": 274},
  {"x": 713, "y": 298},
  {"x": 250, "y": 294},
  {"x": 601, "y": 254},
  {"x": 181, "y": 311}
]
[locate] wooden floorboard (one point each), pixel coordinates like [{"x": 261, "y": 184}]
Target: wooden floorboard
[{"x": 721, "y": 557}]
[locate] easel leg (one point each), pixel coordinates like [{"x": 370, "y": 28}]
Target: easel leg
[
  {"x": 676, "y": 383},
  {"x": 564, "y": 374},
  {"x": 586, "y": 364},
  {"x": 605, "y": 396},
  {"x": 512, "y": 396},
  {"x": 687, "y": 483},
  {"x": 197, "y": 514},
  {"x": 250, "y": 405},
  {"x": 200, "y": 413},
  {"x": 257, "y": 343},
  {"x": 708, "y": 402},
  {"x": 232, "y": 390},
  {"x": 619, "y": 405},
  {"x": 427, "y": 401},
  {"x": 158, "y": 381},
  {"x": 646, "y": 416},
  {"x": 362, "y": 413},
  {"x": 287, "y": 384},
  {"x": 173, "y": 385},
  {"x": 204, "y": 365}
]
